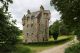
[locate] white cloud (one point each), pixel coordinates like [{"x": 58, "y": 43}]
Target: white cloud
[{"x": 20, "y": 7}]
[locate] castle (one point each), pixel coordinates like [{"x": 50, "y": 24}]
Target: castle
[{"x": 36, "y": 25}]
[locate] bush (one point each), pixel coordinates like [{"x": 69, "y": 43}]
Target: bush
[
  {"x": 48, "y": 43},
  {"x": 55, "y": 35},
  {"x": 73, "y": 49}
]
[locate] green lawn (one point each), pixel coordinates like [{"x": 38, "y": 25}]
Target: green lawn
[
  {"x": 59, "y": 38},
  {"x": 37, "y": 47}
]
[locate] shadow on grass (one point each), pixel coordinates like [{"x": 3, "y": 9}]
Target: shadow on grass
[
  {"x": 48, "y": 43},
  {"x": 38, "y": 46}
]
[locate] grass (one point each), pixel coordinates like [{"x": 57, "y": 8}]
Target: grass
[
  {"x": 59, "y": 38},
  {"x": 40, "y": 46},
  {"x": 20, "y": 48},
  {"x": 36, "y": 49}
]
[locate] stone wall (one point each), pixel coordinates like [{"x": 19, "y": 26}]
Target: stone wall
[{"x": 36, "y": 29}]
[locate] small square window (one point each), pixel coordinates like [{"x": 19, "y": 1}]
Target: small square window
[
  {"x": 31, "y": 25},
  {"x": 32, "y": 33},
  {"x": 27, "y": 19},
  {"x": 27, "y": 25},
  {"x": 27, "y": 34}
]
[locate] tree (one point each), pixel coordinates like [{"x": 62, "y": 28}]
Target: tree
[
  {"x": 58, "y": 27},
  {"x": 70, "y": 13},
  {"x": 64, "y": 30},
  {"x": 8, "y": 31},
  {"x": 54, "y": 29}
]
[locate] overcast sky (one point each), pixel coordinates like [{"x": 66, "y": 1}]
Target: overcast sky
[{"x": 20, "y": 7}]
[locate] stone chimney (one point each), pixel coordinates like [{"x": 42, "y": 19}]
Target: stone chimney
[
  {"x": 41, "y": 8},
  {"x": 28, "y": 11}
]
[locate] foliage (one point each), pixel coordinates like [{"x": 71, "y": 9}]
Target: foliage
[
  {"x": 8, "y": 31},
  {"x": 73, "y": 49},
  {"x": 40, "y": 46},
  {"x": 55, "y": 35},
  {"x": 70, "y": 12},
  {"x": 64, "y": 30},
  {"x": 5, "y": 4},
  {"x": 22, "y": 49},
  {"x": 54, "y": 29},
  {"x": 48, "y": 43},
  {"x": 58, "y": 28},
  {"x": 70, "y": 15}
]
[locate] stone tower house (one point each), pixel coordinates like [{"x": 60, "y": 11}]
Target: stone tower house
[{"x": 36, "y": 25}]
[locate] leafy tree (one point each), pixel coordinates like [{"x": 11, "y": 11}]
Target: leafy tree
[
  {"x": 75, "y": 48},
  {"x": 70, "y": 11},
  {"x": 54, "y": 29},
  {"x": 64, "y": 30},
  {"x": 8, "y": 31},
  {"x": 58, "y": 27},
  {"x": 70, "y": 14}
]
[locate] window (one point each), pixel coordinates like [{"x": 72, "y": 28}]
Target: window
[
  {"x": 27, "y": 18},
  {"x": 39, "y": 24},
  {"x": 31, "y": 25},
  {"x": 46, "y": 14},
  {"x": 27, "y": 25},
  {"x": 27, "y": 34},
  {"x": 32, "y": 33}
]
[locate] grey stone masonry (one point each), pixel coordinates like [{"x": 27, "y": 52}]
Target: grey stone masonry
[{"x": 36, "y": 25}]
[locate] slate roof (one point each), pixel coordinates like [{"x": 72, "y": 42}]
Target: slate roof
[{"x": 36, "y": 14}]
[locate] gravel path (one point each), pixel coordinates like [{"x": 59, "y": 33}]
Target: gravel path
[{"x": 57, "y": 49}]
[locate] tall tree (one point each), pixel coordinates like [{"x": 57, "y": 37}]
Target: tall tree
[
  {"x": 64, "y": 30},
  {"x": 8, "y": 31},
  {"x": 54, "y": 29},
  {"x": 60, "y": 28},
  {"x": 70, "y": 11}
]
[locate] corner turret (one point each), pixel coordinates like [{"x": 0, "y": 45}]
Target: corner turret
[
  {"x": 41, "y": 8},
  {"x": 28, "y": 11}
]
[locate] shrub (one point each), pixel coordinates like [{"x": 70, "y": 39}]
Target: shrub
[
  {"x": 73, "y": 49},
  {"x": 55, "y": 35}
]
